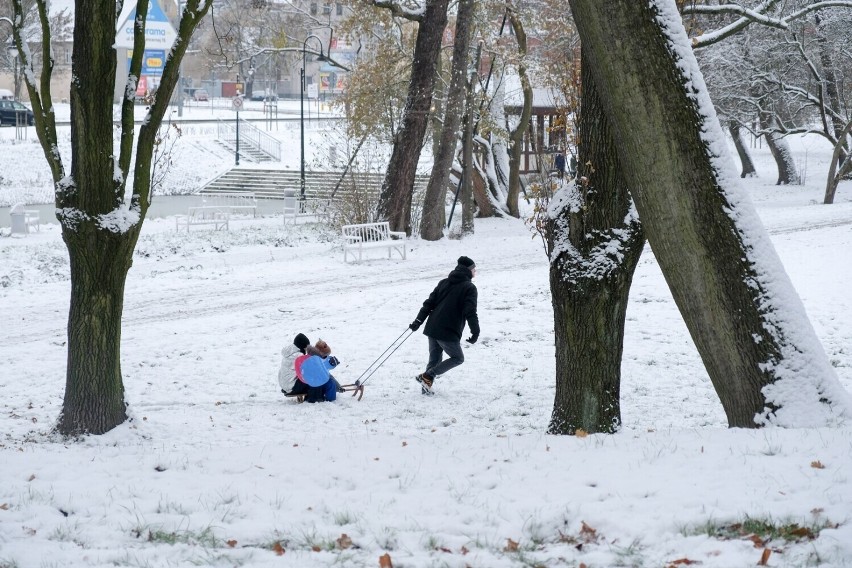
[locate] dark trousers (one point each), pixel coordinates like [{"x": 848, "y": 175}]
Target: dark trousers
[{"x": 437, "y": 348}]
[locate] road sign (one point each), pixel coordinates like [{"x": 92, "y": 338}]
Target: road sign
[
  {"x": 159, "y": 32},
  {"x": 237, "y": 103}
]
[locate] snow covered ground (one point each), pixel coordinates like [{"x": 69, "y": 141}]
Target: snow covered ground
[{"x": 217, "y": 468}]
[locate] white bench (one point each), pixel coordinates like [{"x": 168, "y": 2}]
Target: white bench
[
  {"x": 23, "y": 220},
  {"x": 291, "y": 207},
  {"x": 32, "y": 219},
  {"x": 237, "y": 202},
  {"x": 369, "y": 236},
  {"x": 216, "y": 216}
]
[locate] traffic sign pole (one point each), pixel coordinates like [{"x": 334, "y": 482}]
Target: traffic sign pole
[{"x": 237, "y": 103}]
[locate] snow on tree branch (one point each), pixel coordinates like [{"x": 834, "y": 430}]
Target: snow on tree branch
[
  {"x": 407, "y": 9},
  {"x": 759, "y": 15}
]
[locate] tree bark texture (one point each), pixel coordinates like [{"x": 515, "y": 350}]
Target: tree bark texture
[
  {"x": 398, "y": 186},
  {"x": 434, "y": 203},
  {"x": 780, "y": 151},
  {"x": 595, "y": 241},
  {"x": 742, "y": 150},
  {"x": 94, "y": 392},
  {"x": 516, "y": 135},
  {"x": 722, "y": 271}
]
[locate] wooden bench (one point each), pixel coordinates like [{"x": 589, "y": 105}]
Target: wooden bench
[
  {"x": 216, "y": 216},
  {"x": 236, "y": 202},
  {"x": 368, "y": 236}
]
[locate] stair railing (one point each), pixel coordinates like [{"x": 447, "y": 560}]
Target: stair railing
[{"x": 226, "y": 131}]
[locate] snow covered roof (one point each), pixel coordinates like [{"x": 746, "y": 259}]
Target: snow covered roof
[{"x": 545, "y": 99}]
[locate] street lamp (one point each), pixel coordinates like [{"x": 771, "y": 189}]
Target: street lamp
[
  {"x": 12, "y": 49},
  {"x": 320, "y": 57}
]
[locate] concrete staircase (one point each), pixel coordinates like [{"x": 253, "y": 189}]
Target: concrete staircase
[
  {"x": 273, "y": 183},
  {"x": 255, "y": 145}
]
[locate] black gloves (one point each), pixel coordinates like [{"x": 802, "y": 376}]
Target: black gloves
[
  {"x": 472, "y": 339},
  {"x": 415, "y": 325},
  {"x": 333, "y": 361}
]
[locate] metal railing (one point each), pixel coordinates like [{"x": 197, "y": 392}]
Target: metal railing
[{"x": 249, "y": 135}]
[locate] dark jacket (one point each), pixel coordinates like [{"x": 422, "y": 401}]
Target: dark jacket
[{"x": 451, "y": 303}]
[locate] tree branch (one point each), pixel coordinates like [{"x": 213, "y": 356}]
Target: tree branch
[{"x": 406, "y": 9}]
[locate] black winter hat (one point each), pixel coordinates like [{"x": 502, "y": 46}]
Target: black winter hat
[
  {"x": 466, "y": 262},
  {"x": 301, "y": 341}
]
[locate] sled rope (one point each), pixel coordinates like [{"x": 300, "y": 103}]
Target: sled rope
[{"x": 380, "y": 360}]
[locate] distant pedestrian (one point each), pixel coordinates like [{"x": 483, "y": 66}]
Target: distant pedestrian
[
  {"x": 451, "y": 303},
  {"x": 559, "y": 162},
  {"x": 573, "y": 166}
]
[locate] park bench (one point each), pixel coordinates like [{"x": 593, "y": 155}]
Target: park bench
[
  {"x": 369, "y": 236},
  {"x": 216, "y": 216},
  {"x": 236, "y": 202},
  {"x": 23, "y": 220},
  {"x": 32, "y": 219}
]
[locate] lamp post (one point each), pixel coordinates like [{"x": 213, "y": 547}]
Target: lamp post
[
  {"x": 321, "y": 57},
  {"x": 12, "y": 50}
]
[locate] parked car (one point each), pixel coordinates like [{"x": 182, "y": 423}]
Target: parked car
[
  {"x": 201, "y": 95},
  {"x": 11, "y": 110},
  {"x": 264, "y": 95}
]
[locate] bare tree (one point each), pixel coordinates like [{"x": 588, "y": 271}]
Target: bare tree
[
  {"x": 516, "y": 134},
  {"x": 434, "y": 216},
  {"x": 100, "y": 221},
  {"x": 398, "y": 185}
]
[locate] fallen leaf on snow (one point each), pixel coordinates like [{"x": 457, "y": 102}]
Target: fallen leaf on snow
[
  {"x": 232, "y": 543},
  {"x": 344, "y": 541},
  {"x": 385, "y": 561},
  {"x": 683, "y": 562},
  {"x": 278, "y": 549},
  {"x": 588, "y": 533},
  {"x": 511, "y": 545},
  {"x": 764, "y": 558},
  {"x": 817, "y": 465}
]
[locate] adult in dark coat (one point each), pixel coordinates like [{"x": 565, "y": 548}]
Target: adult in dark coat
[
  {"x": 448, "y": 307},
  {"x": 559, "y": 162}
]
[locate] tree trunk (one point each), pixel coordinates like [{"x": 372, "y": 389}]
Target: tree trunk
[
  {"x": 739, "y": 306},
  {"x": 845, "y": 166},
  {"x": 780, "y": 152},
  {"x": 742, "y": 151},
  {"x": 516, "y": 136},
  {"x": 466, "y": 195},
  {"x": 398, "y": 185},
  {"x": 434, "y": 202},
  {"x": 94, "y": 392},
  {"x": 589, "y": 285}
]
